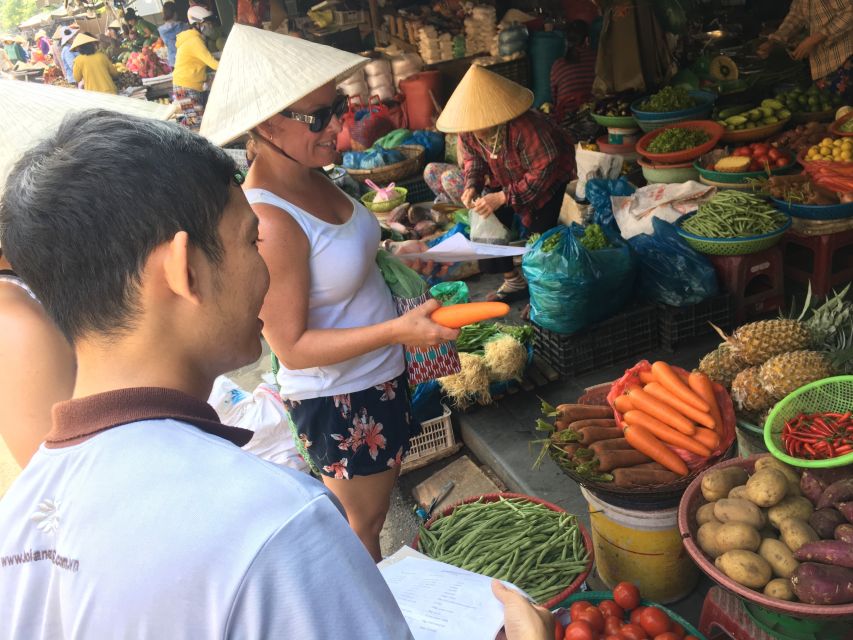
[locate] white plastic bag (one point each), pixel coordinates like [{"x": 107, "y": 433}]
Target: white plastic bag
[
  {"x": 634, "y": 213},
  {"x": 487, "y": 230},
  {"x": 594, "y": 164},
  {"x": 262, "y": 412}
]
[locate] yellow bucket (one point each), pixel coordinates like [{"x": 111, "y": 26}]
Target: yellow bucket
[{"x": 643, "y": 547}]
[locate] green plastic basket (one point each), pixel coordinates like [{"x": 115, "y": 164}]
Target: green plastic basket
[
  {"x": 783, "y": 627},
  {"x": 831, "y": 394},
  {"x": 595, "y": 597},
  {"x": 384, "y": 207},
  {"x": 732, "y": 246},
  {"x": 619, "y": 122}
]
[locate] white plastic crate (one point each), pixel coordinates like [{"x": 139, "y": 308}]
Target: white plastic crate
[
  {"x": 435, "y": 442},
  {"x": 349, "y": 17}
]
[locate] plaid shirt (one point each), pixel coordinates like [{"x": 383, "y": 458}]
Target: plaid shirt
[
  {"x": 533, "y": 160},
  {"x": 833, "y": 19}
]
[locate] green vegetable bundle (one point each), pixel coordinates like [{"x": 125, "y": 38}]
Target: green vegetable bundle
[
  {"x": 593, "y": 238},
  {"x": 731, "y": 214},
  {"x": 672, "y": 140},
  {"x": 539, "y": 550},
  {"x": 473, "y": 337},
  {"x": 669, "y": 99}
]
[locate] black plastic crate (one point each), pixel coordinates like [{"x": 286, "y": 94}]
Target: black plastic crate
[
  {"x": 679, "y": 324},
  {"x": 418, "y": 191},
  {"x": 622, "y": 336},
  {"x": 517, "y": 70}
]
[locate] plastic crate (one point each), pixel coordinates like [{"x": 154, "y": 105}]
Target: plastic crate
[
  {"x": 517, "y": 70},
  {"x": 418, "y": 189},
  {"x": 622, "y": 336},
  {"x": 678, "y": 324},
  {"x": 435, "y": 442},
  {"x": 349, "y": 17}
]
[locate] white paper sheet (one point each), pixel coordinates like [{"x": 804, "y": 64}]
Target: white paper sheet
[
  {"x": 440, "y": 601},
  {"x": 457, "y": 248}
]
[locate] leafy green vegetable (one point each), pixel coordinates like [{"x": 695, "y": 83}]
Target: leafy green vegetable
[
  {"x": 672, "y": 140},
  {"x": 669, "y": 99},
  {"x": 594, "y": 239},
  {"x": 473, "y": 337}
]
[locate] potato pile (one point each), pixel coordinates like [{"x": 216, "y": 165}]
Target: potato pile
[{"x": 763, "y": 533}]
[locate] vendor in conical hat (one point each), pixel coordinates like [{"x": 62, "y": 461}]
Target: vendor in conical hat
[
  {"x": 328, "y": 316},
  {"x": 67, "y": 56},
  {"x": 92, "y": 67},
  {"x": 515, "y": 161}
]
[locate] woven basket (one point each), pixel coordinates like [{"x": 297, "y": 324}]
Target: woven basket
[
  {"x": 388, "y": 205},
  {"x": 821, "y": 227},
  {"x": 414, "y": 163}
]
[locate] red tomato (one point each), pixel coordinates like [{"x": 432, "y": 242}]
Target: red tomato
[
  {"x": 762, "y": 148},
  {"x": 611, "y": 636},
  {"x": 755, "y": 165},
  {"x": 558, "y": 630},
  {"x": 633, "y": 632},
  {"x": 577, "y": 607},
  {"x": 593, "y": 617},
  {"x": 753, "y": 145},
  {"x": 781, "y": 162},
  {"x": 742, "y": 151},
  {"x": 610, "y": 608},
  {"x": 677, "y": 629},
  {"x": 635, "y": 615},
  {"x": 579, "y": 630},
  {"x": 654, "y": 621},
  {"x": 626, "y": 595},
  {"x": 668, "y": 635},
  {"x": 612, "y": 625},
  {"x": 774, "y": 154}
]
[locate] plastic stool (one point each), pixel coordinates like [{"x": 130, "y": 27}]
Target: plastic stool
[
  {"x": 723, "y": 616},
  {"x": 826, "y": 260},
  {"x": 756, "y": 281}
]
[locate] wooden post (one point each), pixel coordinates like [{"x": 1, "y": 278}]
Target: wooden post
[{"x": 374, "y": 20}]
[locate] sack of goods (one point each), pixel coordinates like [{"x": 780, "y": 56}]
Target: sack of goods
[
  {"x": 405, "y": 65},
  {"x": 512, "y": 39},
  {"x": 480, "y": 30},
  {"x": 355, "y": 85}
]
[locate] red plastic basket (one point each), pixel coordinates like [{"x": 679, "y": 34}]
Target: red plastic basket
[
  {"x": 711, "y": 128},
  {"x": 690, "y": 503},
  {"x": 494, "y": 497}
]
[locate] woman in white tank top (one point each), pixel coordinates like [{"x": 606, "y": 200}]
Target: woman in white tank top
[{"x": 328, "y": 316}]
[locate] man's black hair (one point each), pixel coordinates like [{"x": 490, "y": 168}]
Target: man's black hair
[
  {"x": 83, "y": 210},
  {"x": 168, "y": 11}
]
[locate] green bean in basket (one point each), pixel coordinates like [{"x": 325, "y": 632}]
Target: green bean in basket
[
  {"x": 732, "y": 214},
  {"x": 539, "y": 550}
]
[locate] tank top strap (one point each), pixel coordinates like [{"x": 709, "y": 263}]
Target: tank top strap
[{"x": 306, "y": 222}]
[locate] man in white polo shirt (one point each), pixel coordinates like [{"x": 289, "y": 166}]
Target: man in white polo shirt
[{"x": 138, "y": 517}]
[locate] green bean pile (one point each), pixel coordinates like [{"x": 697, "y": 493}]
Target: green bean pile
[
  {"x": 539, "y": 550},
  {"x": 732, "y": 214}
]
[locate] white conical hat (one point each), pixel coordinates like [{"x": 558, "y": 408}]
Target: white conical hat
[
  {"x": 38, "y": 109},
  {"x": 262, "y": 72},
  {"x": 483, "y": 99}
]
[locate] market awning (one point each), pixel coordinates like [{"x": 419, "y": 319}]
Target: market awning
[
  {"x": 36, "y": 21},
  {"x": 33, "y": 111}
]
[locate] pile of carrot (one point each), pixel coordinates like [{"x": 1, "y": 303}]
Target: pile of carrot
[
  {"x": 671, "y": 410},
  {"x": 666, "y": 410}
]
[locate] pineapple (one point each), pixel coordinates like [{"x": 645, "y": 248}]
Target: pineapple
[
  {"x": 722, "y": 365},
  {"x": 784, "y": 373},
  {"x": 749, "y": 394}
]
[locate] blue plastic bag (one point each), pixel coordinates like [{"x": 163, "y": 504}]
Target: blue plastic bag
[
  {"x": 426, "y": 401},
  {"x": 432, "y": 142},
  {"x": 671, "y": 272},
  {"x": 572, "y": 288},
  {"x": 598, "y": 192}
]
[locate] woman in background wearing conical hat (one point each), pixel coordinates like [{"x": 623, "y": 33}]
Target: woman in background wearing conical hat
[
  {"x": 92, "y": 67},
  {"x": 329, "y": 315},
  {"x": 67, "y": 56},
  {"x": 515, "y": 160}
]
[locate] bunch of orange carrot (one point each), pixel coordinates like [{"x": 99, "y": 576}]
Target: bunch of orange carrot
[{"x": 673, "y": 409}]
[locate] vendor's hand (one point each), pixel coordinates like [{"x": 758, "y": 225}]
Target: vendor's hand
[
  {"x": 523, "y": 620},
  {"x": 807, "y": 46},
  {"x": 490, "y": 203},
  {"x": 765, "y": 49},
  {"x": 468, "y": 197},
  {"x": 416, "y": 329},
  {"x": 424, "y": 267}
]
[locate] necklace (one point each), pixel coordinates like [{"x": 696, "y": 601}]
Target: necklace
[{"x": 496, "y": 140}]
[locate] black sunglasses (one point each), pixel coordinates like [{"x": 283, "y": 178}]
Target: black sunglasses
[{"x": 319, "y": 119}]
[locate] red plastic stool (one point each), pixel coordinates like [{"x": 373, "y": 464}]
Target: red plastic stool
[
  {"x": 756, "y": 281},
  {"x": 826, "y": 260},
  {"x": 723, "y": 616}
]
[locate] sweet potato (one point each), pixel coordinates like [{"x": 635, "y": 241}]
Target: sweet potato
[
  {"x": 572, "y": 412},
  {"x": 815, "y": 583},
  {"x": 633, "y": 477},
  {"x": 844, "y": 532},
  {"x": 836, "y": 552},
  {"x": 839, "y": 491},
  {"x": 824, "y": 521},
  {"x": 620, "y": 458},
  {"x": 811, "y": 486},
  {"x": 846, "y": 509}
]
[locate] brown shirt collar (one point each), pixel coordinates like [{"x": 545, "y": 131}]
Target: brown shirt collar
[{"x": 78, "y": 420}]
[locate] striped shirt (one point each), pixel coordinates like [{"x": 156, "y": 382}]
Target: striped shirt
[
  {"x": 831, "y": 18},
  {"x": 571, "y": 83},
  {"x": 533, "y": 159}
]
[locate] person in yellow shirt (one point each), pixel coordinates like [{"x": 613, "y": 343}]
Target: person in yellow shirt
[
  {"x": 92, "y": 67},
  {"x": 191, "y": 64}
]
